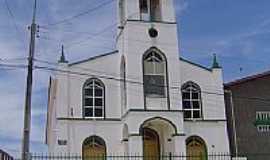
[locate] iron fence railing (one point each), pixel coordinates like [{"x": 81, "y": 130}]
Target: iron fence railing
[
  {"x": 5, "y": 156},
  {"x": 68, "y": 156}
]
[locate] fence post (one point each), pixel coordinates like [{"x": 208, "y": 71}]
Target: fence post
[
  {"x": 29, "y": 157},
  {"x": 170, "y": 156}
]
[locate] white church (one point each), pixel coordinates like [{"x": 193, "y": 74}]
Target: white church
[{"x": 142, "y": 98}]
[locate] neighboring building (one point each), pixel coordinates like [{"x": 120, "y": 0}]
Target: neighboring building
[
  {"x": 248, "y": 112},
  {"x": 5, "y": 156},
  {"x": 141, "y": 98}
]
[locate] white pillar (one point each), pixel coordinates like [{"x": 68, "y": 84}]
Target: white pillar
[
  {"x": 125, "y": 144},
  {"x": 135, "y": 145},
  {"x": 179, "y": 144}
]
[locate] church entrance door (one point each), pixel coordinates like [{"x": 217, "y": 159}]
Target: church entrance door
[{"x": 151, "y": 146}]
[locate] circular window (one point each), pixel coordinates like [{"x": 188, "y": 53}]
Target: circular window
[{"x": 153, "y": 32}]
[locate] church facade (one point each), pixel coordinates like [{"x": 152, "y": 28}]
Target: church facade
[{"x": 142, "y": 98}]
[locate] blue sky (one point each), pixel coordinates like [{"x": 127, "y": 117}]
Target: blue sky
[{"x": 237, "y": 31}]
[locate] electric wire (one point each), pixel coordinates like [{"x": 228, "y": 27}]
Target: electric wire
[
  {"x": 65, "y": 20},
  {"x": 130, "y": 77},
  {"x": 173, "y": 100},
  {"x": 76, "y": 43},
  {"x": 121, "y": 80},
  {"x": 12, "y": 59},
  {"x": 18, "y": 66},
  {"x": 76, "y": 67},
  {"x": 10, "y": 13},
  {"x": 92, "y": 34},
  {"x": 137, "y": 82},
  {"x": 131, "y": 91}
]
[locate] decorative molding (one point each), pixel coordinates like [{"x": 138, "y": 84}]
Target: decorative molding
[
  {"x": 205, "y": 120},
  {"x": 87, "y": 119},
  {"x": 144, "y": 21},
  {"x": 179, "y": 134},
  {"x": 148, "y": 110},
  {"x": 134, "y": 135}
]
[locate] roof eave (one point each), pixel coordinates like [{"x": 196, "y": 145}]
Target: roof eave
[
  {"x": 247, "y": 79},
  {"x": 195, "y": 64},
  {"x": 93, "y": 58}
]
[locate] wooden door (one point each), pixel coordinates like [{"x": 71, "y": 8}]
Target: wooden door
[
  {"x": 196, "y": 150},
  {"x": 94, "y": 149},
  {"x": 151, "y": 148}
]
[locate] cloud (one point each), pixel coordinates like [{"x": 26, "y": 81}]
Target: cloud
[{"x": 81, "y": 38}]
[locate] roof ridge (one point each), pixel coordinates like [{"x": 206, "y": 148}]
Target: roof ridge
[
  {"x": 196, "y": 64},
  {"x": 94, "y": 57},
  {"x": 248, "y": 78}
]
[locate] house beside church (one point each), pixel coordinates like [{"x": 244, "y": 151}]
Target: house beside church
[
  {"x": 248, "y": 113},
  {"x": 143, "y": 98}
]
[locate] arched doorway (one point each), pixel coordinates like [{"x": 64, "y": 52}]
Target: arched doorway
[
  {"x": 196, "y": 149},
  {"x": 157, "y": 135},
  {"x": 94, "y": 147},
  {"x": 151, "y": 145}
]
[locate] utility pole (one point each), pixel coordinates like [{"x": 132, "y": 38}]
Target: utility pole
[{"x": 28, "y": 93}]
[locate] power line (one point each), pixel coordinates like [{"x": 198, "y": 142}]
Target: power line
[
  {"x": 134, "y": 92},
  {"x": 80, "y": 14},
  {"x": 66, "y": 72},
  {"x": 90, "y": 37},
  {"x": 93, "y": 35},
  {"x": 81, "y": 68},
  {"x": 131, "y": 77},
  {"x": 87, "y": 38},
  {"x": 139, "y": 83},
  {"x": 12, "y": 66},
  {"x": 10, "y": 13},
  {"x": 13, "y": 59}
]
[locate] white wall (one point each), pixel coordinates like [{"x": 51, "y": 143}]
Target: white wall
[
  {"x": 109, "y": 66},
  {"x": 76, "y": 131},
  {"x": 134, "y": 46},
  {"x": 133, "y": 42},
  {"x": 213, "y": 133},
  {"x": 211, "y": 86}
]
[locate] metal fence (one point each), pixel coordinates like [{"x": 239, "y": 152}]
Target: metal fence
[
  {"x": 5, "y": 156},
  {"x": 219, "y": 156}
]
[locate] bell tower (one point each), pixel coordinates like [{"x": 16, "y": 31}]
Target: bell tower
[
  {"x": 146, "y": 26},
  {"x": 146, "y": 10}
]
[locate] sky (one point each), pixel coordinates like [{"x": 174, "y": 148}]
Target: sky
[{"x": 237, "y": 31}]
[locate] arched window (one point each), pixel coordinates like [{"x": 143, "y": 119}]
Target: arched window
[
  {"x": 94, "y": 147},
  {"x": 93, "y": 99},
  {"x": 155, "y": 74},
  {"x": 150, "y": 10},
  {"x": 196, "y": 149},
  {"x": 123, "y": 84},
  {"x": 191, "y": 97}
]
